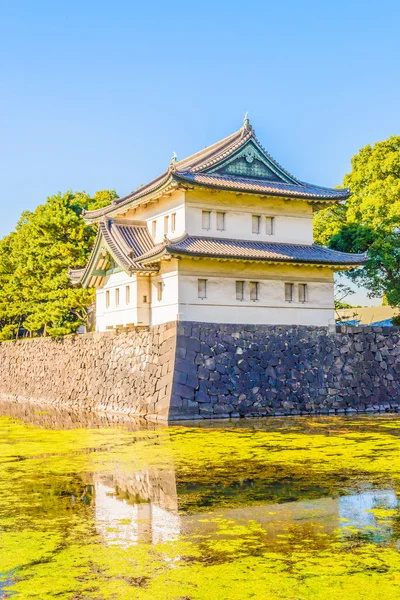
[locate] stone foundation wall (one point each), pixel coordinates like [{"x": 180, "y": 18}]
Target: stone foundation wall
[
  {"x": 129, "y": 373},
  {"x": 201, "y": 370},
  {"x": 259, "y": 370}
]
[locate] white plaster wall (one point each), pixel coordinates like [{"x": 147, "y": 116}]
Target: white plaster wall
[
  {"x": 221, "y": 305},
  {"x": 292, "y": 219},
  {"x": 122, "y": 315},
  {"x": 157, "y": 210},
  {"x": 168, "y": 308},
  {"x": 143, "y": 300}
]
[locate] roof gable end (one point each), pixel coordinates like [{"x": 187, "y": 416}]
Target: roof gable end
[{"x": 251, "y": 161}]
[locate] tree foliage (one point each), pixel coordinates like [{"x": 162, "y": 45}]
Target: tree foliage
[
  {"x": 370, "y": 219},
  {"x": 35, "y": 290}
]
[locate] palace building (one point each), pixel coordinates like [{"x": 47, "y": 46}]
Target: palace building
[{"x": 224, "y": 236}]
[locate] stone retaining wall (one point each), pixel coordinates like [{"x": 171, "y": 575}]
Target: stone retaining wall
[
  {"x": 259, "y": 370},
  {"x": 201, "y": 370},
  {"x": 127, "y": 373}
]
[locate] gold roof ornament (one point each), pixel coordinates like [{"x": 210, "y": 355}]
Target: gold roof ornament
[{"x": 174, "y": 160}]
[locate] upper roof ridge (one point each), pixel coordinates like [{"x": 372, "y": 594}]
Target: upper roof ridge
[
  {"x": 195, "y": 158},
  {"x": 214, "y": 166}
]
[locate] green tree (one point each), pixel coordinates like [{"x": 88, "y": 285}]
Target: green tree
[
  {"x": 35, "y": 290},
  {"x": 370, "y": 219}
]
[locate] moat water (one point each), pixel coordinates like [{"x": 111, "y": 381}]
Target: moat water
[{"x": 105, "y": 508}]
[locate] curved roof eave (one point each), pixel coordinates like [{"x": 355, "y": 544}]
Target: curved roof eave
[
  {"x": 246, "y": 186},
  {"x": 198, "y": 165},
  {"x": 246, "y": 250},
  {"x": 155, "y": 186},
  {"x": 104, "y": 240}
]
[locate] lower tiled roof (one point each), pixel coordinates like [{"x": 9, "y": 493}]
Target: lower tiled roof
[
  {"x": 76, "y": 275},
  {"x": 267, "y": 251},
  {"x": 132, "y": 237},
  {"x": 125, "y": 241}
]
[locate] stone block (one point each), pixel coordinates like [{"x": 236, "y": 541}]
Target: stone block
[
  {"x": 184, "y": 366},
  {"x": 183, "y": 390},
  {"x": 203, "y": 373},
  {"x": 202, "y": 397},
  {"x": 209, "y": 364}
]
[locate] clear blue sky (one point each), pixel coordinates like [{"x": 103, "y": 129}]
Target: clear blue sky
[{"x": 98, "y": 94}]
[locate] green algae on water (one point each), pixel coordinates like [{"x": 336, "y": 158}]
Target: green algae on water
[{"x": 295, "y": 509}]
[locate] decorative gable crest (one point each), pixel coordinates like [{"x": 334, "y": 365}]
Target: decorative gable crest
[{"x": 251, "y": 162}]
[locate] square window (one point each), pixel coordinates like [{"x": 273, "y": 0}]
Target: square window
[
  {"x": 116, "y": 296},
  {"x": 127, "y": 294},
  {"x": 255, "y": 224},
  {"x": 166, "y": 223},
  {"x": 154, "y": 228},
  {"x": 240, "y": 290},
  {"x": 254, "y": 290},
  {"x": 303, "y": 292},
  {"x": 160, "y": 287},
  {"x": 173, "y": 222},
  {"x": 269, "y": 225},
  {"x": 289, "y": 292},
  {"x": 206, "y": 219},
  {"x": 202, "y": 288},
  {"x": 221, "y": 221}
]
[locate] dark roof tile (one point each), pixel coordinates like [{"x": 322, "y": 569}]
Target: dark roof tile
[
  {"x": 249, "y": 250},
  {"x": 270, "y": 188},
  {"x": 194, "y": 169}
]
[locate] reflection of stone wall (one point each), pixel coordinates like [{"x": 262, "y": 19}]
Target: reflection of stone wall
[
  {"x": 203, "y": 370},
  {"x": 127, "y": 373},
  {"x": 65, "y": 417}
]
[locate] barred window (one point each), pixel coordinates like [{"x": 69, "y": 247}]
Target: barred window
[
  {"x": 240, "y": 290},
  {"x": 254, "y": 290},
  {"x": 303, "y": 292},
  {"x": 108, "y": 299},
  {"x": 269, "y": 225},
  {"x": 173, "y": 222},
  {"x": 221, "y": 221},
  {"x": 154, "y": 228},
  {"x": 127, "y": 294},
  {"x": 202, "y": 288},
  {"x": 159, "y": 290},
  {"x": 289, "y": 292},
  {"x": 116, "y": 296},
  {"x": 206, "y": 219},
  {"x": 166, "y": 222},
  {"x": 256, "y": 220}
]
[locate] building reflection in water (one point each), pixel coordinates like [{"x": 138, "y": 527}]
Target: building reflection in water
[
  {"x": 147, "y": 506},
  {"x": 137, "y": 512},
  {"x": 356, "y": 511},
  {"x": 147, "y": 510}
]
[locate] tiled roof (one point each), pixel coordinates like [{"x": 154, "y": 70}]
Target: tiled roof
[
  {"x": 132, "y": 237},
  {"x": 76, "y": 275},
  {"x": 212, "y": 155},
  {"x": 249, "y": 250},
  {"x": 132, "y": 248},
  {"x": 270, "y": 188},
  {"x": 143, "y": 190},
  {"x": 196, "y": 170},
  {"x": 125, "y": 240}
]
